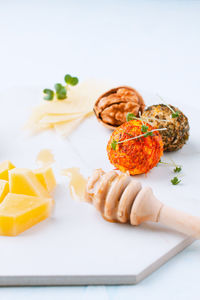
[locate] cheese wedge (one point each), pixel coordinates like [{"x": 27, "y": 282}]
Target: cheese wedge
[
  {"x": 4, "y": 189},
  {"x": 24, "y": 181},
  {"x": 5, "y": 166},
  {"x": 46, "y": 177},
  {"x": 20, "y": 212}
]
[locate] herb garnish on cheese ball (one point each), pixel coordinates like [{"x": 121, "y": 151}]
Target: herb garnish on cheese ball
[
  {"x": 135, "y": 147},
  {"x": 170, "y": 117}
]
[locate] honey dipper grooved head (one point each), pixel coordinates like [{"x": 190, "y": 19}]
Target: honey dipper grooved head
[
  {"x": 119, "y": 198},
  {"x": 145, "y": 208}
]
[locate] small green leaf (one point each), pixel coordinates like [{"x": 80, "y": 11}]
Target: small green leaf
[
  {"x": 130, "y": 116},
  {"x": 71, "y": 80},
  {"x": 58, "y": 87},
  {"x": 175, "y": 181},
  {"x": 61, "y": 94},
  {"x": 149, "y": 133},
  {"x": 175, "y": 115},
  {"x": 177, "y": 169},
  {"x": 67, "y": 78},
  {"x": 144, "y": 128},
  {"x": 74, "y": 81},
  {"x": 49, "y": 94},
  {"x": 114, "y": 144}
]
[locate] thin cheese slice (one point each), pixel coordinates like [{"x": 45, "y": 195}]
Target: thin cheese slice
[
  {"x": 4, "y": 189},
  {"x": 53, "y": 119},
  {"x": 20, "y": 212},
  {"x": 57, "y": 107},
  {"x": 36, "y": 128},
  {"x": 65, "y": 128},
  {"x": 54, "y": 114},
  {"x": 24, "y": 181},
  {"x": 88, "y": 91}
]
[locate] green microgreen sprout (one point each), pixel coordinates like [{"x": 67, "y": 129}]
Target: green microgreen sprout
[
  {"x": 130, "y": 117},
  {"x": 177, "y": 169},
  {"x": 60, "y": 90},
  {"x": 114, "y": 144},
  {"x": 144, "y": 128},
  {"x": 175, "y": 114},
  {"x": 149, "y": 133},
  {"x": 175, "y": 181},
  {"x": 49, "y": 94},
  {"x": 58, "y": 87},
  {"x": 71, "y": 80}
]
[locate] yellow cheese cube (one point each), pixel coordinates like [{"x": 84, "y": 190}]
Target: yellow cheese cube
[
  {"x": 4, "y": 189},
  {"x": 24, "y": 181},
  {"x": 20, "y": 212},
  {"x": 46, "y": 178},
  {"x": 5, "y": 166}
]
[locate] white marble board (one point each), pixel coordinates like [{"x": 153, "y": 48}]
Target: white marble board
[{"x": 76, "y": 246}]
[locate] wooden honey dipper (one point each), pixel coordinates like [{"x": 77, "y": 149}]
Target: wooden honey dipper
[{"x": 121, "y": 199}]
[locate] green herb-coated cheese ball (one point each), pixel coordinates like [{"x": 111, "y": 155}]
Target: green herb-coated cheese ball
[{"x": 171, "y": 118}]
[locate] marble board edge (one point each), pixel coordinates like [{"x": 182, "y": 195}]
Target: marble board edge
[{"x": 79, "y": 280}]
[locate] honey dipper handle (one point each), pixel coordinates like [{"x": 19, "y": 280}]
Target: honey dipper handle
[{"x": 180, "y": 221}]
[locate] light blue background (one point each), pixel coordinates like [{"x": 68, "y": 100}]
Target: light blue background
[{"x": 154, "y": 45}]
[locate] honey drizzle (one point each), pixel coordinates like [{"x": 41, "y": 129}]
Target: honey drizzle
[
  {"x": 45, "y": 158},
  {"x": 77, "y": 183}
]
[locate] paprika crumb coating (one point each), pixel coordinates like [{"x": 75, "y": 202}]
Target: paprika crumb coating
[{"x": 136, "y": 156}]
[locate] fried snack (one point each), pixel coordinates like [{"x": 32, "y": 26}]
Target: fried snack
[
  {"x": 135, "y": 156},
  {"x": 177, "y": 132},
  {"x": 112, "y": 107}
]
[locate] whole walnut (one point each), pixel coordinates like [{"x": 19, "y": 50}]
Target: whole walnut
[{"x": 112, "y": 107}]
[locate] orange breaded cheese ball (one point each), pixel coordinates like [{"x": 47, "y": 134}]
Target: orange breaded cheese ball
[{"x": 136, "y": 156}]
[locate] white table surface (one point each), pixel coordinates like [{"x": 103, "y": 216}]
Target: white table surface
[{"x": 153, "y": 45}]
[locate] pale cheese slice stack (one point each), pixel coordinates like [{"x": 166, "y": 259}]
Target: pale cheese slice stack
[{"x": 65, "y": 115}]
